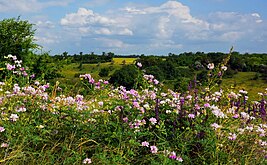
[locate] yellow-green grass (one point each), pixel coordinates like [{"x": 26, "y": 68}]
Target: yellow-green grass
[
  {"x": 244, "y": 80},
  {"x": 127, "y": 60},
  {"x": 69, "y": 71}
]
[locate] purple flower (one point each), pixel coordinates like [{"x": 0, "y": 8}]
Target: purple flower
[
  {"x": 172, "y": 155},
  {"x": 192, "y": 116},
  {"x": 136, "y": 104},
  {"x": 206, "y": 105},
  {"x": 236, "y": 116},
  {"x": 32, "y": 76},
  {"x": 139, "y": 64}
]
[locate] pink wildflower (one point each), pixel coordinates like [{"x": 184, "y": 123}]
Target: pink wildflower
[
  {"x": 125, "y": 119},
  {"x": 206, "y": 105},
  {"x": 145, "y": 144},
  {"x": 10, "y": 67},
  {"x": 179, "y": 159},
  {"x": 100, "y": 103},
  {"x": 153, "y": 149},
  {"x": 2, "y": 129},
  {"x": 172, "y": 155},
  {"x": 153, "y": 120},
  {"x": 192, "y": 116},
  {"x": 87, "y": 161},
  {"x": 4, "y": 145},
  {"x": 215, "y": 126},
  {"x": 232, "y": 136}
]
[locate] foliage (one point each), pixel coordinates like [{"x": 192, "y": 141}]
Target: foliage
[
  {"x": 102, "y": 124},
  {"x": 45, "y": 67},
  {"x": 127, "y": 76},
  {"x": 16, "y": 38},
  {"x": 104, "y": 72}
]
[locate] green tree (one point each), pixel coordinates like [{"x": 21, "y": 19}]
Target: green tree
[
  {"x": 104, "y": 72},
  {"x": 126, "y": 76},
  {"x": 16, "y": 38}
]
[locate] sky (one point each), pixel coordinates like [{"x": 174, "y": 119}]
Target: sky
[{"x": 147, "y": 27}]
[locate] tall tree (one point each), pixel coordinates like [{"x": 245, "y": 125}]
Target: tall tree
[{"x": 16, "y": 38}]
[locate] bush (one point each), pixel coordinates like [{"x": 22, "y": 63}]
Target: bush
[
  {"x": 127, "y": 76},
  {"x": 104, "y": 72}
]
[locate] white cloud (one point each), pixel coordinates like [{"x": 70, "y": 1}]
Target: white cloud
[
  {"x": 233, "y": 26},
  {"x": 44, "y": 24},
  {"x": 29, "y": 5},
  {"x": 111, "y": 43},
  {"x": 89, "y": 22},
  {"x": 231, "y": 36},
  {"x": 169, "y": 26}
]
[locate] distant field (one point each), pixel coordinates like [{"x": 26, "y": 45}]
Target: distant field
[
  {"x": 127, "y": 60},
  {"x": 71, "y": 71},
  {"x": 244, "y": 80}
]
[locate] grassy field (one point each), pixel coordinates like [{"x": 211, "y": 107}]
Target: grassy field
[{"x": 244, "y": 80}]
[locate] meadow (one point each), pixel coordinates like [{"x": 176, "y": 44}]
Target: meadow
[{"x": 102, "y": 124}]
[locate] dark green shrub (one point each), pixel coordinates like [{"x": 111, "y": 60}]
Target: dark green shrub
[
  {"x": 104, "y": 72},
  {"x": 126, "y": 76}
]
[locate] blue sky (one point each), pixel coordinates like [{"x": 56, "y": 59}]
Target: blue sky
[{"x": 144, "y": 26}]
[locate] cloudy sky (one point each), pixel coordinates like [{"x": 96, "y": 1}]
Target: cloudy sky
[{"x": 144, "y": 26}]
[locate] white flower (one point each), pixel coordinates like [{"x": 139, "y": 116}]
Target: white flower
[
  {"x": 87, "y": 161},
  {"x": 215, "y": 126},
  {"x": 243, "y": 92},
  {"x": 217, "y": 112},
  {"x": 245, "y": 115},
  {"x": 153, "y": 120},
  {"x": 224, "y": 68},
  {"x": 13, "y": 117},
  {"x": 168, "y": 111},
  {"x": 210, "y": 66}
]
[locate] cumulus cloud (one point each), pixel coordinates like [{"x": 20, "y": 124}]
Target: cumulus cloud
[
  {"x": 44, "y": 24},
  {"x": 29, "y": 5},
  {"x": 89, "y": 22},
  {"x": 233, "y": 26},
  {"x": 169, "y": 26}
]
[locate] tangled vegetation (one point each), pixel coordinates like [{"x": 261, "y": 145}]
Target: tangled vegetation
[{"x": 101, "y": 124}]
